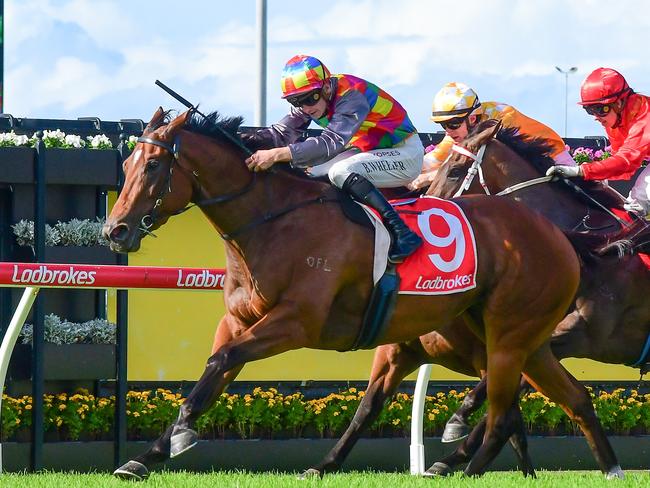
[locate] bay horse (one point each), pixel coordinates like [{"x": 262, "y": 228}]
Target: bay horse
[
  {"x": 610, "y": 320},
  {"x": 274, "y": 222}
]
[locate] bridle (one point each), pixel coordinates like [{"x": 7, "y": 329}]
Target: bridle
[
  {"x": 149, "y": 219},
  {"x": 476, "y": 168},
  {"x": 174, "y": 150}
]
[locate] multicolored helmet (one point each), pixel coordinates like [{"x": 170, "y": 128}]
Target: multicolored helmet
[
  {"x": 602, "y": 86},
  {"x": 302, "y": 74},
  {"x": 454, "y": 100}
]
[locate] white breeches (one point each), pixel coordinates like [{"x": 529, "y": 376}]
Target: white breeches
[{"x": 385, "y": 168}]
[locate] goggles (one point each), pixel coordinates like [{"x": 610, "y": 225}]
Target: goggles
[
  {"x": 453, "y": 124},
  {"x": 598, "y": 109},
  {"x": 305, "y": 100}
]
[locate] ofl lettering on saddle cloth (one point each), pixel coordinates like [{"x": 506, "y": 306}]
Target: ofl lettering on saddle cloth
[{"x": 447, "y": 261}]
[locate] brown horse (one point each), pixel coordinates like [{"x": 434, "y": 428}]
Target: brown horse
[
  {"x": 610, "y": 321},
  {"x": 272, "y": 223}
]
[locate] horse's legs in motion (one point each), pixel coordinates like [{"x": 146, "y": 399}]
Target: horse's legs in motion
[
  {"x": 391, "y": 364},
  {"x": 504, "y": 367},
  {"x": 545, "y": 373},
  {"x": 457, "y": 426},
  {"x": 228, "y": 358},
  {"x": 473, "y": 441}
]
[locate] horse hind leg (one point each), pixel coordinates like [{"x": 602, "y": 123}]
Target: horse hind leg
[
  {"x": 545, "y": 373},
  {"x": 392, "y": 362}
]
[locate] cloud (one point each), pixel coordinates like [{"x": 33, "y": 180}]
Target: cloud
[{"x": 116, "y": 49}]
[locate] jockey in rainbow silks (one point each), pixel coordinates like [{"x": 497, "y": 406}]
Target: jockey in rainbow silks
[
  {"x": 368, "y": 140},
  {"x": 456, "y": 107},
  {"x": 625, "y": 115}
]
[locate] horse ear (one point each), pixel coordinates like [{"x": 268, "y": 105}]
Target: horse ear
[
  {"x": 175, "y": 125},
  {"x": 155, "y": 120},
  {"x": 487, "y": 134}
]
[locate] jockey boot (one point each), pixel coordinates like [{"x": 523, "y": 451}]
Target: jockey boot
[{"x": 404, "y": 240}]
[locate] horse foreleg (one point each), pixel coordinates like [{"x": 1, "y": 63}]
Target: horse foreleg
[
  {"x": 138, "y": 468},
  {"x": 391, "y": 364},
  {"x": 469, "y": 446},
  {"x": 457, "y": 427},
  {"x": 503, "y": 368},
  {"x": 472, "y": 442},
  {"x": 280, "y": 330}
]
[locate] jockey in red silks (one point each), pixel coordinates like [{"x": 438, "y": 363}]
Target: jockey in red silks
[
  {"x": 368, "y": 140},
  {"x": 456, "y": 107},
  {"x": 625, "y": 115}
]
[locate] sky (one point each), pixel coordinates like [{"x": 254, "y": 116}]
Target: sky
[{"x": 65, "y": 59}]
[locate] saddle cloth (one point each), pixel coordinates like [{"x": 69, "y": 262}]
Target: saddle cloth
[{"x": 446, "y": 262}]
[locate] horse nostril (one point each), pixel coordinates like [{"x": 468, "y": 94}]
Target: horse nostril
[{"x": 118, "y": 234}]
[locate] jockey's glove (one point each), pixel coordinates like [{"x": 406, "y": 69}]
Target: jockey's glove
[{"x": 566, "y": 171}]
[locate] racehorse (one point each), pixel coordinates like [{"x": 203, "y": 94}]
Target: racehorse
[
  {"x": 272, "y": 223},
  {"x": 610, "y": 321}
]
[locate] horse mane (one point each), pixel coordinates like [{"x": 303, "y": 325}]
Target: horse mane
[
  {"x": 217, "y": 126},
  {"x": 537, "y": 150}
]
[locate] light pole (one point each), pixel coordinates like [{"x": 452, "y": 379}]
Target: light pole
[{"x": 566, "y": 74}]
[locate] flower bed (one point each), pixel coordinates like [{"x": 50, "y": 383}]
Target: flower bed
[
  {"x": 272, "y": 415},
  {"x": 59, "y": 139}
]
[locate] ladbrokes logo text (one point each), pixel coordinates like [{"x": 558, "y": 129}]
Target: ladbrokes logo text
[{"x": 45, "y": 276}]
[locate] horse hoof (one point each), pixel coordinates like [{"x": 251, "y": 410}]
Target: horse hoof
[
  {"x": 438, "y": 469},
  {"x": 311, "y": 473},
  {"x": 182, "y": 440},
  {"x": 455, "y": 430},
  {"x": 616, "y": 473},
  {"x": 133, "y": 471}
]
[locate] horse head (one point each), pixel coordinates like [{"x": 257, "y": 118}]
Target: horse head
[
  {"x": 156, "y": 184},
  {"x": 453, "y": 174}
]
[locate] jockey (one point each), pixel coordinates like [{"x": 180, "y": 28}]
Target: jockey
[
  {"x": 625, "y": 115},
  {"x": 368, "y": 140},
  {"x": 456, "y": 107}
]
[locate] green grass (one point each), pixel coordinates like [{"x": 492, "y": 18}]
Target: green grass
[{"x": 347, "y": 480}]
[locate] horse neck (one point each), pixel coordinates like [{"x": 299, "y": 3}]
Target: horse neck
[
  {"x": 505, "y": 168},
  {"x": 222, "y": 171}
]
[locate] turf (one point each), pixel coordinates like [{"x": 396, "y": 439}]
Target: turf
[{"x": 346, "y": 480}]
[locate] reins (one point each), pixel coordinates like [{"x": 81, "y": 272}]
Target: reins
[
  {"x": 476, "y": 168},
  {"x": 148, "y": 220}
]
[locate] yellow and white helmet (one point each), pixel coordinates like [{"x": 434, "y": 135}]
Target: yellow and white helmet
[{"x": 454, "y": 100}]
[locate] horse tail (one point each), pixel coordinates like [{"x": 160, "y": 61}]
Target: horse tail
[
  {"x": 587, "y": 246},
  {"x": 633, "y": 239},
  {"x": 629, "y": 240}
]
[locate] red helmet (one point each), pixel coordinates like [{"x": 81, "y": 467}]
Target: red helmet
[{"x": 603, "y": 85}]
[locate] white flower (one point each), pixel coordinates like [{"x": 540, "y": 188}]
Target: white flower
[
  {"x": 74, "y": 141},
  {"x": 54, "y": 134},
  {"x": 100, "y": 141},
  {"x": 21, "y": 140}
]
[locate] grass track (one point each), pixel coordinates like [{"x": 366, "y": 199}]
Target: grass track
[{"x": 346, "y": 480}]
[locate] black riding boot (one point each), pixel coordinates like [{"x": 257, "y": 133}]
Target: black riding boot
[{"x": 404, "y": 240}]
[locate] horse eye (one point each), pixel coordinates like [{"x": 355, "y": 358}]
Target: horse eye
[
  {"x": 455, "y": 172},
  {"x": 152, "y": 164}
]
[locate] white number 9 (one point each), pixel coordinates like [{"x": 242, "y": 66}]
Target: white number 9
[{"x": 454, "y": 237}]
